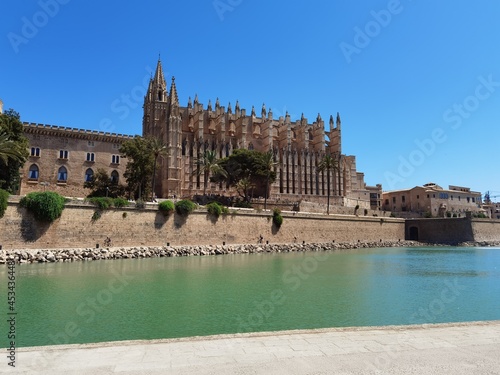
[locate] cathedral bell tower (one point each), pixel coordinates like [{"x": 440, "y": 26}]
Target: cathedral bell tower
[{"x": 162, "y": 120}]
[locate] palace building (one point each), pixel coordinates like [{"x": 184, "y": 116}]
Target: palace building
[
  {"x": 432, "y": 200},
  {"x": 65, "y": 158}
]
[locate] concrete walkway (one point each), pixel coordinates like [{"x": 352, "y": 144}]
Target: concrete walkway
[{"x": 462, "y": 348}]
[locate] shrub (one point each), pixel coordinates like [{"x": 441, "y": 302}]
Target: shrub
[
  {"x": 45, "y": 206},
  {"x": 428, "y": 214},
  {"x": 448, "y": 214},
  {"x": 96, "y": 216},
  {"x": 242, "y": 204},
  {"x": 166, "y": 207},
  {"x": 102, "y": 202},
  {"x": 216, "y": 209},
  {"x": 139, "y": 203},
  {"x": 4, "y": 197},
  {"x": 454, "y": 215},
  {"x": 277, "y": 218},
  {"x": 185, "y": 207},
  {"x": 120, "y": 202}
]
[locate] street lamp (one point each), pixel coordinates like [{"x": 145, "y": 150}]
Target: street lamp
[{"x": 45, "y": 184}]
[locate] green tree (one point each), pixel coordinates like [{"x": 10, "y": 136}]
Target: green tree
[
  {"x": 101, "y": 185},
  {"x": 208, "y": 165},
  {"x": 4, "y": 199},
  {"x": 159, "y": 149},
  {"x": 328, "y": 164},
  {"x": 249, "y": 166},
  {"x": 13, "y": 150},
  {"x": 10, "y": 150},
  {"x": 269, "y": 164},
  {"x": 140, "y": 164},
  {"x": 244, "y": 187},
  {"x": 142, "y": 156}
]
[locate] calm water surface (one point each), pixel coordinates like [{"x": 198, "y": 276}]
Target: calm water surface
[{"x": 177, "y": 297}]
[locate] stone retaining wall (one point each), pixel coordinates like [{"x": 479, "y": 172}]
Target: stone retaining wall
[
  {"x": 452, "y": 230},
  {"x": 132, "y": 227}
]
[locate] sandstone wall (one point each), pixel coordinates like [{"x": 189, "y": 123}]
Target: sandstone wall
[
  {"x": 453, "y": 230},
  {"x": 486, "y": 230},
  {"x": 131, "y": 227}
]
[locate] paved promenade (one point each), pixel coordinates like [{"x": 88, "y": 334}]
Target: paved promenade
[{"x": 462, "y": 348}]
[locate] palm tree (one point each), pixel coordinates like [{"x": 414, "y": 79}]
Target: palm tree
[
  {"x": 157, "y": 148},
  {"x": 243, "y": 187},
  {"x": 328, "y": 164},
  {"x": 269, "y": 163},
  {"x": 208, "y": 165},
  {"x": 10, "y": 150}
]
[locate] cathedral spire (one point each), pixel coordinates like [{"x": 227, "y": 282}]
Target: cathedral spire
[
  {"x": 158, "y": 87},
  {"x": 338, "y": 122},
  {"x": 174, "y": 99},
  {"x": 159, "y": 77}
]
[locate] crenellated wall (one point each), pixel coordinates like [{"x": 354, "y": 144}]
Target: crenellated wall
[{"x": 131, "y": 227}]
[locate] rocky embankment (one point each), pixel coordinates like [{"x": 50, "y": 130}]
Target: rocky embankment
[{"x": 90, "y": 254}]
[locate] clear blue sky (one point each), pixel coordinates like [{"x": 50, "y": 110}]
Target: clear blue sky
[{"x": 417, "y": 83}]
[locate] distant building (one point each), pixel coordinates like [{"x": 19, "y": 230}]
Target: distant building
[
  {"x": 432, "y": 199},
  {"x": 492, "y": 210}
]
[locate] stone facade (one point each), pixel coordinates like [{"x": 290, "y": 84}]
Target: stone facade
[
  {"x": 433, "y": 199},
  {"x": 297, "y": 146},
  {"x": 492, "y": 210},
  {"x": 62, "y": 159}
]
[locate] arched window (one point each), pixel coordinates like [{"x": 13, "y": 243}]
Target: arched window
[
  {"x": 89, "y": 173},
  {"x": 33, "y": 173},
  {"x": 62, "y": 174},
  {"x": 114, "y": 177}
]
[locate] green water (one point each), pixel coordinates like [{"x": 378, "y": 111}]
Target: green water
[{"x": 156, "y": 298}]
